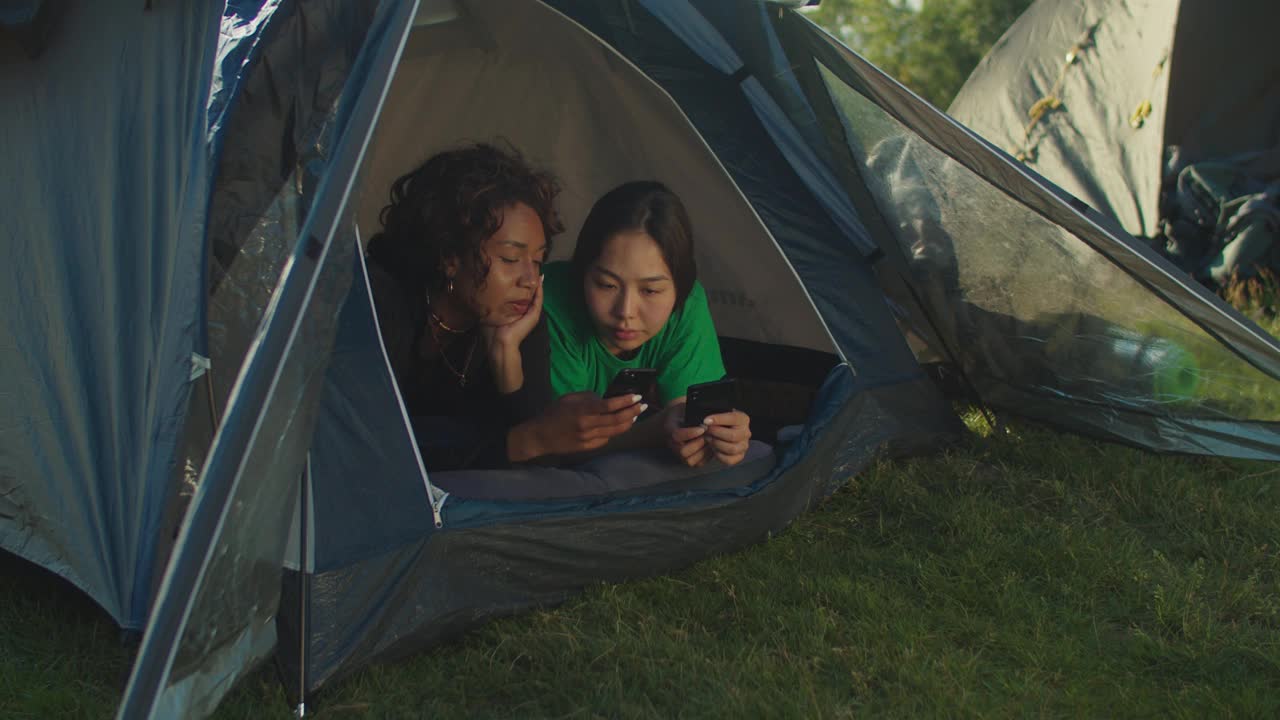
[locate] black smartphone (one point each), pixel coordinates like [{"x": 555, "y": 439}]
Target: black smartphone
[
  {"x": 634, "y": 381},
  {"x": 710, "y": 398}
]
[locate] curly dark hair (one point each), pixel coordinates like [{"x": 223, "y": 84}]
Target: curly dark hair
[{"x": 450, "y": 205}]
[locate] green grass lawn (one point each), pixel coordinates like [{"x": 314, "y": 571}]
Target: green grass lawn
[{"x": 1023, "y": 574}]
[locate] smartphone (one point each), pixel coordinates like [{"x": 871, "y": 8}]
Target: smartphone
[
  {"x": 634, "y": 381},
  {"x": 710, "y": 398}
]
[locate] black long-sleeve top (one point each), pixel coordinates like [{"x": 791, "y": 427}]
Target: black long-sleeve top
[{"x": 432, "y": 391}]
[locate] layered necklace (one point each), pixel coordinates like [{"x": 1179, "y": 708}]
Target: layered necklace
[{"x": 459, "y": 374}]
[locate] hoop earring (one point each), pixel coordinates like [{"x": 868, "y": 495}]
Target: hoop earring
[{"x": 448, "y": 290}]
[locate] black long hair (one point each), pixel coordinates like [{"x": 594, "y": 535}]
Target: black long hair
[
  {"x": 641, "y": 205},
  {"x": 450, "y": 205}
]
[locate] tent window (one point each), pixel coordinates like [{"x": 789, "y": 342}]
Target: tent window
[{"x": 1027, "y": 303}]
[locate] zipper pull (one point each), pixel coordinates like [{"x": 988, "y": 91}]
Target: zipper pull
[{"x": 437, "y": 505}]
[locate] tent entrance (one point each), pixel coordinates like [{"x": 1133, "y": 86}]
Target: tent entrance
[{"x": 573, "y": 105}]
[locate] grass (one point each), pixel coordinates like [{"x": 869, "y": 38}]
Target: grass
[
  {"x": 60, "y": 657},
  {"x": 1022, "y": 574},
  {"x": 1257, "y": 297}
]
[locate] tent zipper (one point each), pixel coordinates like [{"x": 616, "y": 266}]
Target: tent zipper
[{"x": 436, "y": 496}]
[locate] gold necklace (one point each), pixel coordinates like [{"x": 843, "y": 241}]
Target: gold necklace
[
  {"x": 432, "y": 311},
  {"x": 466, "y": 364},
  {"x": 461, "y": 375},
  {"x": 442, "y": 324}
]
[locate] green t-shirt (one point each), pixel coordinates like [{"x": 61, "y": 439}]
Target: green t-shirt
[{"x": 685, "y": 352}]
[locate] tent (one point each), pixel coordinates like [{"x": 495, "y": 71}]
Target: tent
[
  {"x": 1110, "y": 99},
  {"x": 203, "y": 356}
]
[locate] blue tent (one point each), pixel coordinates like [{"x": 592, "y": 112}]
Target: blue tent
[{"x": 187, "y": 190}]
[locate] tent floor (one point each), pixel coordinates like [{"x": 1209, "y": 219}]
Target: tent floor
[{"x": 622, "y": 473}]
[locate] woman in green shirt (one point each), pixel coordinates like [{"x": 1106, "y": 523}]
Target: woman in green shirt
[{"x": 630, "y": 298}]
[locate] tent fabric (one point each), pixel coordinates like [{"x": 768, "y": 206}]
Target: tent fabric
[
  {"x": 1212, "y": 102},
  {"x": 104, "y": 187},
  {"x": 1087, "y": 144},
  {"x": 1033, "y": 312},
  {"x": 703, "y": 38},
  {"x": 274, "y": 139},
  {"x": 503, "y": 557},
  {"x": 363, "y": 424},
  {"x": 314, "y": 529},
  {"x": 1224, "y": 85},
  {"x": 1100, "y": 233},
  {"x": 567, "y": 127},
  {"x": 212, "y": 620},
  {"x": 1205, "y": 69},
  {"x": 276, "y": 83},
  {"x": 242, "y": 36},
  {"x": 27, "y": 26},
  {"x": 18, "y": 13}
]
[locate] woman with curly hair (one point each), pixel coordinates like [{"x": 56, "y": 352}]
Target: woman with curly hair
[{"x": 457, "y": 282}]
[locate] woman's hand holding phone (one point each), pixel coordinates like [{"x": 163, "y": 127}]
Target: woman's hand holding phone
[
  {"x": 724, "y": 436},
  {"x": 574, "y": 423},
  {"x": 729, "y": 435},
  {"x": 688, "y": 443}
]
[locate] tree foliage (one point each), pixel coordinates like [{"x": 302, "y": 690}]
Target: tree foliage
[{"x": 930, "y": 46}]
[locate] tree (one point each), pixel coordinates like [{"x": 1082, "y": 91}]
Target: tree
[{"x": 930, "y": 46}]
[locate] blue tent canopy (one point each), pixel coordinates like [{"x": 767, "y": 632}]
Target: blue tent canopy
[
  {"x": 105, "y": 185},
  {"x": 187, "y": 189}
]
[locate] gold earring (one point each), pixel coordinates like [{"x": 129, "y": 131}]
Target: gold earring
[{"x": 449, "y": 288}]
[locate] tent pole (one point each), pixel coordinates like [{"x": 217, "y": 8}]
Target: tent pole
[
  {"x": 213, "y": 400},
  {"x": 304, "y": 587}
]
